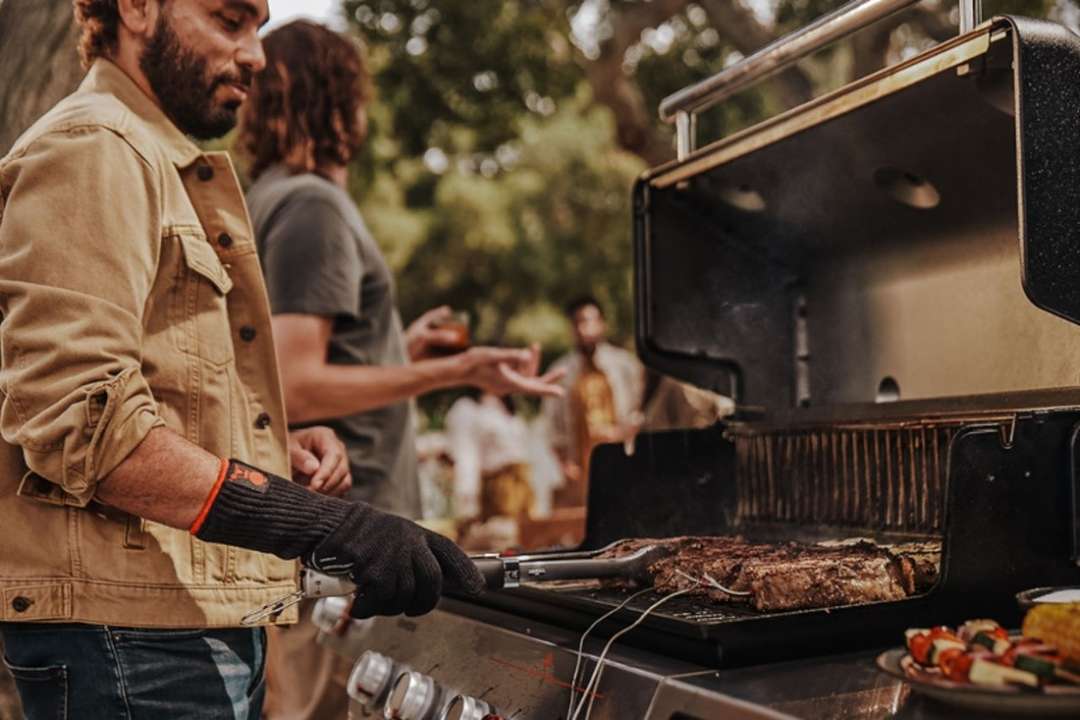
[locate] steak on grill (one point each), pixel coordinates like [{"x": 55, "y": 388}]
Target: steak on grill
[{"x": 781, "y": 576}]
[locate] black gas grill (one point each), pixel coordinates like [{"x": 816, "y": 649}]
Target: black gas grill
[{"x": 904, "y": 368}]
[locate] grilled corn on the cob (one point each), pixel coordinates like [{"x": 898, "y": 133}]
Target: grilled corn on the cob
[{"x": 1057, "y": 624}]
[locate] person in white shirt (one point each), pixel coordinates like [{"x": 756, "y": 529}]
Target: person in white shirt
[{"x": 490, "y": 446}]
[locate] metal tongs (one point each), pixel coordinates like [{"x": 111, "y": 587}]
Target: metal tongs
[
  {"x": 508, "y": 571},
  {"x": 312, "y": 585},
  {"x": 499, "y": 572}
]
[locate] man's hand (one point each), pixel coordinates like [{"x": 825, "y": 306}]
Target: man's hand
[
  {"x": 398, "y": 566},
  {"x": 425, "y": 333},
  {"x": 319, "y": 460},
  {"x": 507, "y": 371}
]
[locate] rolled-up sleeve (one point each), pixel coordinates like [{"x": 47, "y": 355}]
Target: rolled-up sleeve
[{"x": 79, "y": 248}]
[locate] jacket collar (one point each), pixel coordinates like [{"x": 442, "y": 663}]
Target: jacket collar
[{"x": 106, "y": 77}]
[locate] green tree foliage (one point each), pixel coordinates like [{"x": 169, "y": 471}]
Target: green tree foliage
[
  {"x": 512, "y": 235},
  {"x": 471, "y": 64},
  {"x": 502, "y": 191}
]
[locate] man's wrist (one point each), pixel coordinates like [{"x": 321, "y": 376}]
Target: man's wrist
[
  {"x": 260, "y": 511},
  {"x": 446, "y": 372},
  {"x": 223, "y": 471}
]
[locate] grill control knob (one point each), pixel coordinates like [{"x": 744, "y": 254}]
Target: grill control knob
[
  {"x": 370, "y": 678},
  {"x": 329, "y": 612},
  {"x": 463, "y": 707},
  {"x": 338, "y": 631},
  {"x": 413, "y": 697}
]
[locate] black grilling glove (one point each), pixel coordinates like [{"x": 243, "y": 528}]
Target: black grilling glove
[{"x": 397, "y": 565}]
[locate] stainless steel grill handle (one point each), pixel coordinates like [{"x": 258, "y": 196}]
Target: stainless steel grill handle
[
  {"x": 682, "y": 106},
  {"x": 970, "y": 15}
]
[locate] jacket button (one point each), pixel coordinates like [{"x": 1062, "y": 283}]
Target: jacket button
[
  {"x": 21, "y": 604},
  {"x": 205, "y": 173},
  {"x": 262, "y": 421},
  {"x": 247, "y": 333},
  {"x": 224, "y": 240}
]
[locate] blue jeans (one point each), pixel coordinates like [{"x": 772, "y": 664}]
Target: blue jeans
[{"x": 93, "y": 671}]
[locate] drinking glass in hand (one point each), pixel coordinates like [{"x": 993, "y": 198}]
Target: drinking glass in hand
[{"x": 456, "y": 328}]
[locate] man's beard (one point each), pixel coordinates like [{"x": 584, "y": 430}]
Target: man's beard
[{"x": 182, "y": 84}]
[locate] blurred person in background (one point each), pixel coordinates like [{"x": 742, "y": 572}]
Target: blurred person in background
[
  {"x": 492, "y": 474},
  {"x": 436, "y": 475},
  {"x": 604, "y": 386},
  {"x": 345, "y": 358}
]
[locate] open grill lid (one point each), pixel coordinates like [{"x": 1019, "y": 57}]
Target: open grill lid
[{"x": 915, "y": 235}]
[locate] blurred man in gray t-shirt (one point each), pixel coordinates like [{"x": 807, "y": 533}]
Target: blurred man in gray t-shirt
[{"x": 320, "y": 261}]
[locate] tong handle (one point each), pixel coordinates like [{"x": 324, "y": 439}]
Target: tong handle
[
  {"x": 509, "y": 571},
  {"x": 495, "y": 572}
]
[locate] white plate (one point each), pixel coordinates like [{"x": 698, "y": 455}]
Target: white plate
[
  {"x": 1057, "y": 700},
  {"x": 1036, "y": 596}
]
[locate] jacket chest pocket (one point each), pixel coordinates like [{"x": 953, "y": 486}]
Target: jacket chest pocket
[{"x": 199, "y": 307}]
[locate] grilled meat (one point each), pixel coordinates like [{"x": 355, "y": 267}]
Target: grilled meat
[{"x": 784, "y": 576}]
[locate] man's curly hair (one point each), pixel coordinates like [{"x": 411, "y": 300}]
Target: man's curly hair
[
  {"x": 303, "y": 110},
  {"x": 99, "y": 20}
]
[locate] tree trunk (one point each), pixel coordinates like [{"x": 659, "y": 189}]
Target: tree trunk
[
  {"x": 39, "y": 63},
  {"x": 635, "y": 128},
  {"x": 737, "y": 24}
]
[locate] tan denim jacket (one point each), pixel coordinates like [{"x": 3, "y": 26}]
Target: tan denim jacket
[{"x": 130, "y": 297}]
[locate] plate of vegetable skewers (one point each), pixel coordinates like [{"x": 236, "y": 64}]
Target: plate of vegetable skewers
[{"x": 980, "y": 666}]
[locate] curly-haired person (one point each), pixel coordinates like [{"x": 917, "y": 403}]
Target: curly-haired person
[
  {"x": 145, "y": 490},
  {"x": 345, "y": 359}
]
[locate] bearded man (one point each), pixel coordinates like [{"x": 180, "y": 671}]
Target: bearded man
[{"x": 144, "y": 442}]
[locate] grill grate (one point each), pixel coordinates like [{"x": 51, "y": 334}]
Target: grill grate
[
  {"x": 880, "y": 477},
  {"x": 686, "y": 609}
]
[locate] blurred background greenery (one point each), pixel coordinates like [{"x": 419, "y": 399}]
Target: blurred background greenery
[{"x": 506, "y": 134}]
